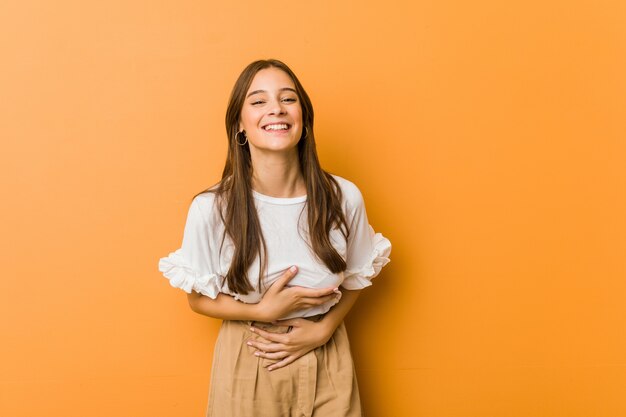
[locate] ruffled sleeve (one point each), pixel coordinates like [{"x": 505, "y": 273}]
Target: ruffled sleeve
[
  {"x": 367, "y": 252},
  {"x": 192, "y": 267}
]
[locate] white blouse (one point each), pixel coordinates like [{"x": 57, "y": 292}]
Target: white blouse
[{"x": 201, "y": 266}]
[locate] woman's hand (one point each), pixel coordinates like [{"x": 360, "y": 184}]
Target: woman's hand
[
  {"x": 283, "y": 348},
  {"x": 278, "y": 300}
]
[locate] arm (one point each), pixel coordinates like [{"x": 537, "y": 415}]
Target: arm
[
  {"x": 224, "y": 307},
  {"x": 335, "y": 316},
  {"x": 276, "y": 302}
]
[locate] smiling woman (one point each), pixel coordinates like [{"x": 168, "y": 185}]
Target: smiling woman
[
  {"x": 267, "y": 249},
  {"x": 271, "y": 115}
]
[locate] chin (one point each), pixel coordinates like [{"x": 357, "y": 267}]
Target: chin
[
  {"x": 281, "y": 148},
  {"x": 281, "y": 144}
]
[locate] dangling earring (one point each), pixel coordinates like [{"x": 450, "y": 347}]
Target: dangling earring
[
  {"x": 238, "y": 135},
  {"x": 306, "y": 132}
]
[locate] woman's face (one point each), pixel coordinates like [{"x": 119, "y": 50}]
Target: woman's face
[{"x": 271, "y": 113}]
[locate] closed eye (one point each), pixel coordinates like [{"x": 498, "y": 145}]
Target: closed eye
[{"x": 287, "y": 100}]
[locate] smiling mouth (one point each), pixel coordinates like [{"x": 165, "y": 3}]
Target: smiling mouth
[{"x": 276, "y": 127}]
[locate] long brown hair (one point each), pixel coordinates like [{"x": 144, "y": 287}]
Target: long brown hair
[{"x": 236, "y": 202}]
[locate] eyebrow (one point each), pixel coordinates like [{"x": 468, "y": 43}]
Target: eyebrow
[{"x": 263, "y": 91}]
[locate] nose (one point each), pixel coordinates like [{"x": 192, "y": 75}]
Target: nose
[{"x": 276, "y": 107}]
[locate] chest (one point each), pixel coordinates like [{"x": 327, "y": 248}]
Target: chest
[{"x": 285, "y": 231}]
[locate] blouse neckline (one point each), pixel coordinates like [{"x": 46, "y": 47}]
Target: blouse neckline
[{"x": 278, "y": 200}]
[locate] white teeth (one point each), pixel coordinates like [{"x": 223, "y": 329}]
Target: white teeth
[{"x": 281, "y": 126}]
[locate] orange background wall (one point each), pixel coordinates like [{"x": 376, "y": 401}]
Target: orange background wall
[{"x": 488, "y": 138}]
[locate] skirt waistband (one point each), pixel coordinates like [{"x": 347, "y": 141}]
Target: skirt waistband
[{"x": 277, "y": 327}]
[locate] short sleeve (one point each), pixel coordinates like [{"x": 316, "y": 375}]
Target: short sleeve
[
  {"x": 367, "y": 251},
  {"x": 192, "y": 267}
]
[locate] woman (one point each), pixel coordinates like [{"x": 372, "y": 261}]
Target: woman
[{"x": 266, "y": 250}]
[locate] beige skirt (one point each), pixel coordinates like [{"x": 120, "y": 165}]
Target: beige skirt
[{"x": 321, "y": 383}]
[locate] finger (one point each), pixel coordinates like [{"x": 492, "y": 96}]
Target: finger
[
  {"x": 282, "y": 363},
  {"x": 316, "y": 292},
  {"x": 268, "y": 362},
  {"x": 267, "y": 347},
  {"x": 318, "y": 300},
  {"x": 276, "y": 356},
  {"x": 260, "y": 339},
  {"x": 283, "y": 279},
  {"x": 272, "y": 337}
]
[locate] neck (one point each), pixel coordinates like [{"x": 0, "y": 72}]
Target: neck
[{"x": 278, "y": 175}]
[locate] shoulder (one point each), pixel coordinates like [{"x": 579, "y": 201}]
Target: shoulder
[
  {"x": 205, "y": 206},
  {"x": 204, "y": 198},
  {"x": 351, "y": 194}
]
